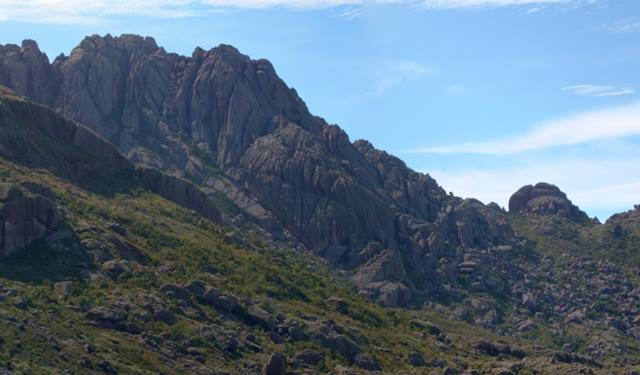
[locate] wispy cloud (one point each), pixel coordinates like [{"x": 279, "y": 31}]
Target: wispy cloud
[
  {"x": 599, "y": 91},
  {"x": 626, "y": 26},
  {"x": 582, "y": 128},
  {"x": 389, "y": 74},
  {"x": 89, "y": 11},
  {"x": 599, "y": 186},
  {"x": 92, "y": 11},
  {"x": 489, "y": 3},
  {"x": 349, "y": 12}
]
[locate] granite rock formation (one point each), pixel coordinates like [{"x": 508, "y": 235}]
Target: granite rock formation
[
  {"x": 35, "y": 136},
  {"x": 230, "y": 124},
  {"x": 24, "y": 218},
  {"x": 545, "y": 199}
]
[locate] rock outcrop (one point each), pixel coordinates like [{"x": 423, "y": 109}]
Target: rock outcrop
[
  {"x": 24, "y": 218},
  {"x": 35, "y": 136},
  {"x": 545, "y": 199},
  {"x": 179, "y": 191}
]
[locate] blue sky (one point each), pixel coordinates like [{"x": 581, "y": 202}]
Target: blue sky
[{"x": 485, "y": 95}]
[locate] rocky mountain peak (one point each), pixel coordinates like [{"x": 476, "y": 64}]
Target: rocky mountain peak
[
  {"x": 131, "y": 42},
  {"x": 229, "y": 124},
  {"x": 545, "y": 199},
  {"x": 30, "y": 43}
]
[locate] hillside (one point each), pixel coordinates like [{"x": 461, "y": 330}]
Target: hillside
[
  {"x": 127, "y": 282},
  {"x": 205, "y": 221}
]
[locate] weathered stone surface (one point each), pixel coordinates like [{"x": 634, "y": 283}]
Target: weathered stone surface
[
  {"x": 105, "y": 315},
  {"x": 179, "y": 191},
  {"x": 366, "y": 362},
  {"x": 545, "y": 199},
  {"x": 308, "y": 357},
  {"x": 259, "y": 317},
  {"x": 116, "y": 267},
  {"x": 219, "y": 300},
  {"x": 416, "y": 359},
  {"x": 346, "y": 347},
  {"x": 175, "y": 291},
  {"x": 34, "y": 135},
  {"x": 389, "y": 294},
  {"x": 24, "y": 218},
  {"x": 276, "y": 365}
]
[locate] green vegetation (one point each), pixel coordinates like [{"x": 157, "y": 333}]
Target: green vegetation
[{"x": 53, "y": 333}]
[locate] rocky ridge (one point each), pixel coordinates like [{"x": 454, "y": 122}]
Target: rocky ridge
[
  {"x": 229, "y": 124},
  {"x": 545, "y": 199}
]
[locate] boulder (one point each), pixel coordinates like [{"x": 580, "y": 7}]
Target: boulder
[
  {"x": 416, "y": 359},
  {"x": 346, "y": 347},
  {"x": 116, "y": 267},
  {"x": 219, "y": 300},
  {"x": 389, "y": 294},
  {"x": 105, "y": 317},
  {"x": 366, "y": 362},
  {"x": 196, "y": 288},
  {"x": 24, "y": 218},
  {"x": 276, "y": 365},
  {"x": 165, "y": 316},
  {"x": 307, "y": 357},
  {"x": 387, "y": 266},
  {"x": 175, "y": 291},
  {"x": 575, "y": 317},
  {"x": 526, "y": 325},
  {"x": 255, "y": 315}
]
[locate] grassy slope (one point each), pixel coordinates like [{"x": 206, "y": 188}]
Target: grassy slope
[
  {"x": 558, "y": 238},
  {"x": 49, "y": 336}
]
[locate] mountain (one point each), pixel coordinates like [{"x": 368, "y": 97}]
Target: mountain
[
  {"x": 203, "y": 188},
  {"x": 229, "y": 124},
  {"x": 112, "y": 275}
]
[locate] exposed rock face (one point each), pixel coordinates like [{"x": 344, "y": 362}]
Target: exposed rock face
[
  {"x": 24, "y": 218},
  {"x": 36, "y": 136},
  {"x": 231, "y": 124},
  {"x": 629, "y": 218},
  {"x": 277, "y": 365},
  {"x": 545, "y": 199},
  {"x": 222, "y": 109},
  {"x": 178, "y": 191}
]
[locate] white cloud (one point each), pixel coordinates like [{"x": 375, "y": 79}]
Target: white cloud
[
  {"x": 389, "y": 74},
  {"x": 597, "y": 186},
  {"x": 626, "y": 26},
  {"x": 298, "y": 4},
  {"x": 587, "y": 127},
  {"x": 487, "y": 3},
  {"x": 599, "y": 91},
  {"x": 348, "y": 13},
  {"x": 89, "y": 11}
]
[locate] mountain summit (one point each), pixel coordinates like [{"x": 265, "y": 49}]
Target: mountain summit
[{"x": 545, "y": 199}]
